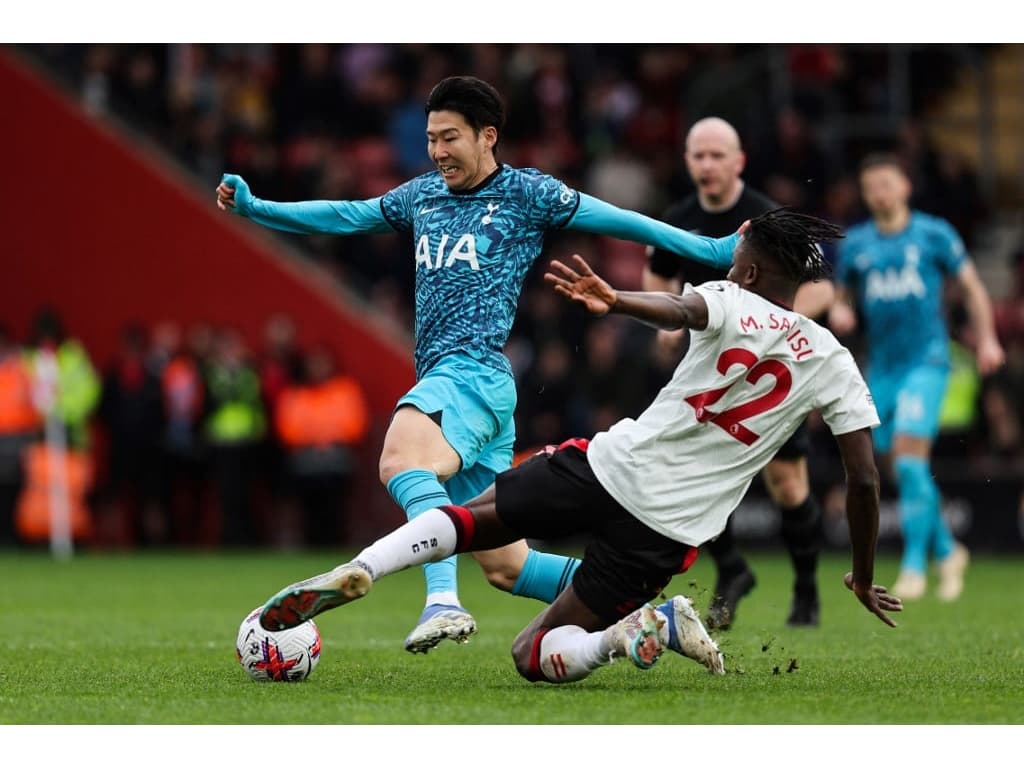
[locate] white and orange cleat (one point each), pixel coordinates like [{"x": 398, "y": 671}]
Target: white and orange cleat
[
  {"x": 951, "y": 574},
  {"x": 303, "y": 600},
  {"x": 910, "y": 585}
]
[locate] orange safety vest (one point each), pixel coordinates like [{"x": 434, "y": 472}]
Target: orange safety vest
[
  {"x": 32, "y": 515},
  {"x": 332, "y": 412},
  {"x": 18, "y": 413}
]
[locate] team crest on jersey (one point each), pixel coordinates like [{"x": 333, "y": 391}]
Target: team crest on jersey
[
  {"x": 464, "y": 249},
  {"x": 491, "y": 208}
]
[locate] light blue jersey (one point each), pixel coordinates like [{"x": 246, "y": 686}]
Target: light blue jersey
[
  {"x": 897, "y": 281},
  {"x": 473, "y": 249}
]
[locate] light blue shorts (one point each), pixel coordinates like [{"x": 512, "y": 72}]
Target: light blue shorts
[
  {"x": 909, "y": 402},
  {"x": 477, "y": 406}
]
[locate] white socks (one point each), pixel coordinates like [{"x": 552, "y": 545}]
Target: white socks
[
  {"x": 426, "y": 538},
  {"x": 571, "y": 653}
]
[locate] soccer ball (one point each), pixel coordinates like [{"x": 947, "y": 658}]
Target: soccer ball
[{"x": 287, "y": 656}]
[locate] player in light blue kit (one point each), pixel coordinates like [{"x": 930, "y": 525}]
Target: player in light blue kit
[
  {"x": 477, "y": 228},
  {"x": 893, "y": 268}
]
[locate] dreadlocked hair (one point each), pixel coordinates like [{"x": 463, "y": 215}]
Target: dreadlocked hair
[{"x": 793, "y": 240}]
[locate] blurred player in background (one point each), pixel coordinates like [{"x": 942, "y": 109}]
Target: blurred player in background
[
  {"x": 649, "y": 491},
  {"x": 721, "y": 203},
  {"x": 892, "y": 269},
  {"x": 477, "y": 227}
]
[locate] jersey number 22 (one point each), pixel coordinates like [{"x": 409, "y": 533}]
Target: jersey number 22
[{"x": 731, "y": 419}]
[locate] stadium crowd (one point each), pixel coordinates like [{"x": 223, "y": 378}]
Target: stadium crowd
[{"x": 325, "y": 121}]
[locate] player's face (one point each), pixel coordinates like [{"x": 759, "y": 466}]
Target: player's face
[
  {"x": 463, "y": 157},
  {"x": 741, "y": 271},
  {"x": 714, "y": 162},
  {"x": 885, "y": 189}
]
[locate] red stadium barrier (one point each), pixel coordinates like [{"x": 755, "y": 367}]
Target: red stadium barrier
[{"x": 107, "y": 232}]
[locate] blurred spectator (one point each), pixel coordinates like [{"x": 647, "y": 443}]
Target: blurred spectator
[
  {"x": 140, "y": 87},
  {"x": 76, "y": 391},
  {"x": 59, "y": 470},
  {"x": 20, "y": 425},
  {"x": 183, "y": 391},
  {"x": 131, "y": 411},
  {"x": 280, "y": 367},
  {"x": 310, "y": 97},
  {"x": 792, "y": 166},
  {"x": 544, "y": 389},
  {"x": 944, "y": 184},
  {"x": 234, "y": 426},
  {"x": 96, "y": 82},
  {"x": 320, "y": 422},
  {"x": 602, "y": 394}
]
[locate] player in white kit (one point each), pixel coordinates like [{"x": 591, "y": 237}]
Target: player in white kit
[{"x": 650, "y": 491}]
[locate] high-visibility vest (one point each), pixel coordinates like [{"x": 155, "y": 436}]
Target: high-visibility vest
[
  {"x": 333, "y": 412},
  {"x": 32, "y": 514},
  {"x": 18, "y": 414}
]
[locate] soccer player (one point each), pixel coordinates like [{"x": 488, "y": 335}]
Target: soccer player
[
  {"x": 721, "y": 203},
  {"x": 650, "y": 491},
  {"x": 477, "y": 225},
  {"x": 892, "y": 267}
]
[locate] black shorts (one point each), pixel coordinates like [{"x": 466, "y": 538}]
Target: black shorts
[
  {"x": 797, "y": 446},
  {"x": 626, "y": 564}
]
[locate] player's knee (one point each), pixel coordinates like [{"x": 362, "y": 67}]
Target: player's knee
[
  {"x": 791, "y": 495},
  {"x": 787, "y": 484},
  {"x": 503, "y": 577},
  {"x": 390, "y": 465},
  {"x": 523, "y": 656},
  {"x": 500, "y": 566}
]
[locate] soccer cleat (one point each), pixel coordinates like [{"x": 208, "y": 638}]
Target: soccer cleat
[
  {"x": 910, "y": 585},
  {"x": 439, "y": 622},
  {"x": 728, "y": 592},
  {"x": 303, "y": 600},
  {"x": 636, "y": 636},
  {"x": 805, "y": 608},
  {"x": 951, "y": 574},
  {"x": 687, "y": 636}
]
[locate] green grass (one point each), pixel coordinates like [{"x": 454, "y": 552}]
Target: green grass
[{"x": 149, "y": 639}]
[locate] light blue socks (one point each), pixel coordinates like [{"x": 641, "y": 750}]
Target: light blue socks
[
  {"x": 920, "y": 514},
  {"x": 545, "y": 575}
]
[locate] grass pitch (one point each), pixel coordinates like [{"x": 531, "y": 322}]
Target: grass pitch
[{"x": 149, "y": 639}]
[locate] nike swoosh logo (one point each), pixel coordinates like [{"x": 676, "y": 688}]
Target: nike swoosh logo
[{"x": 428, "y": 210}]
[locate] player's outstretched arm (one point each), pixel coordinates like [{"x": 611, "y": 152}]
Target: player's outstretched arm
[
  {"x": 988, "y": 351},
  {"x": 862, "y": 517},
  {"x": 601, "y": 218},
  {"x": 662, "y": 310},
  {"x": 304, "y": 218}
]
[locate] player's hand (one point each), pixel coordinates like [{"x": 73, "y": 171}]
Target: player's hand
[
  {"x": 875, "y": 598},
  {"x": 989, "y": 356},
  {"x": 582, "y": 285},
  {"x": 841, "y": 318},
  {"x": 233, "y": 192}
]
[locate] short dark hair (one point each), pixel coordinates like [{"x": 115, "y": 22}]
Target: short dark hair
[
  {"x": 882, "y": 160},
  {"x": 477, "y": 101},
  {"x": 793, "y": 240}
]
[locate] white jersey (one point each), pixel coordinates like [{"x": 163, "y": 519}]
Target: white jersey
[{"x": 745, "y": 385}]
